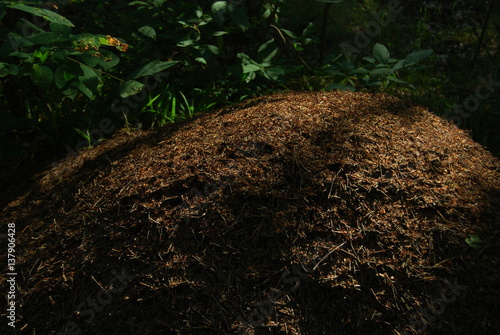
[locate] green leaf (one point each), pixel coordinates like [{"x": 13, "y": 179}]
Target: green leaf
[
  {"x": 72, "y": 90},
  {"x": 88, "y": 59},
  {"x": 17, "y": 42},
  {"x": 215, "y": 50},
  {"x": 68, "y": 76},
  {"x": 267, "y": 51},
  {"x": 60, "y": 29},
  {"x": 247, "y": 68},
  {"x": 108, "y": 59},
  {"x": 48, "y": 38},
  {"x": 219, "y": 9},
  {"x": 359, "y": 71},
  {"x": 28, "y": 57},
  {"x": 130, "y": 87},
  {"x": 382, "y": 72},
  {"x": 71, "y": 67},
  {"x": 85, "y": 90},
  {"x": 274, "y": 73},
  {"x": 399, "y": 65},
  {"x": 396, "y": 80},
  {"x": 474, "y": 241},
  {"x": 381, "y": 53},
  {"x": 290, "y": 33},
  {"x": 90, "y": 80},
  {"x": 201, "y": 60},
  {"x": 42, "y": 55},
  {"x": 185, "y": 43},
  {"x": 59, "y": 78},
  {"x": 417, "y": 56},
  {"x": 44, "y": 13},
  {"x": 152, "y": 68},
  {"x": 42, "y": 76},
  {"x": 370, "y": 60},
  {"x": 220, "y": 33},
  {"x": 6, "y": 69},
  {"x": 148, "y": 31}
]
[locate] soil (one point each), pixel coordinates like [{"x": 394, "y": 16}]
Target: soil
[{"x": 296, "y": 213}]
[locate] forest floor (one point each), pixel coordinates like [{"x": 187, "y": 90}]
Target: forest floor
[{"x": 298, "y": 213}]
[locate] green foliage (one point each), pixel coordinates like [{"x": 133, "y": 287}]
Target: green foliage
[
  {"x": 380, "y": 70},
  {"x": 173, "y": 59},
  {"x": 475, "y": 242}
]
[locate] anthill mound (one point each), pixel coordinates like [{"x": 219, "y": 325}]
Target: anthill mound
[{"x": 303, "y": 213}]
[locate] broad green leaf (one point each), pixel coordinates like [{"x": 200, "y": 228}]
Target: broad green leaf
[
  {"x": 370, "y": 60},
  {"x": 247, "y": 68},
  {"x": 6, "y": 69},
  {"x": 215, "y": 50},
  {"x": 267, "y": 51},
  {"x": 289, "y": 33},
  {"x": 88, "y": 59},
  {"x": 399, "y": 65},
  {"x": 148, "y": 31},
  {"x": 152, "y": 68},
  {"x": 474, "y": 241},
  {"x": 72, "y": 90},
  {"x": 48, "y": 38},
  {"x": 60, "y": 29},
  {"x": 250, "y": 76},
  {"x": 41, "y": 55},
  {"x": 130, "y": 87},
  {"x": 359, "y": 71},
  {"x": 44, "y": 13},
  {"x": 417, "y": 56},
  {"x": 85, "y": 42},
  {"x": 219, "y": 9},
  {"x": 42, "y": 76},
  {"x": 59, "y": 78},
  {"x": 201, "y": 60},
  {"x": 220, "y": 33},
  {"x": 382, "y": 72},
  {"x": 68, "y": 76},
  {"x": 381, "y": 53},
  {"x": 274, "y": 73},
  {"x": 107, "y": 60},
  {"x": 71, "y": 67},
  {"x": 90, "y": 79},
  {"x": 16, "y": 42},
  {"x": 396, "y": 80},
  {"x": 29, "y": 57},
  {"x": 185, "y": 43},
  {"x": 85, "y": 90}
]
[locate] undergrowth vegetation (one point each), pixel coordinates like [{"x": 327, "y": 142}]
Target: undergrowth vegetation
[{"x": 73, "y": 72}]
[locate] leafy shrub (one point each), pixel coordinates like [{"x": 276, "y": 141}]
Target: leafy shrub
[{"x": 223, "y": 51}]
